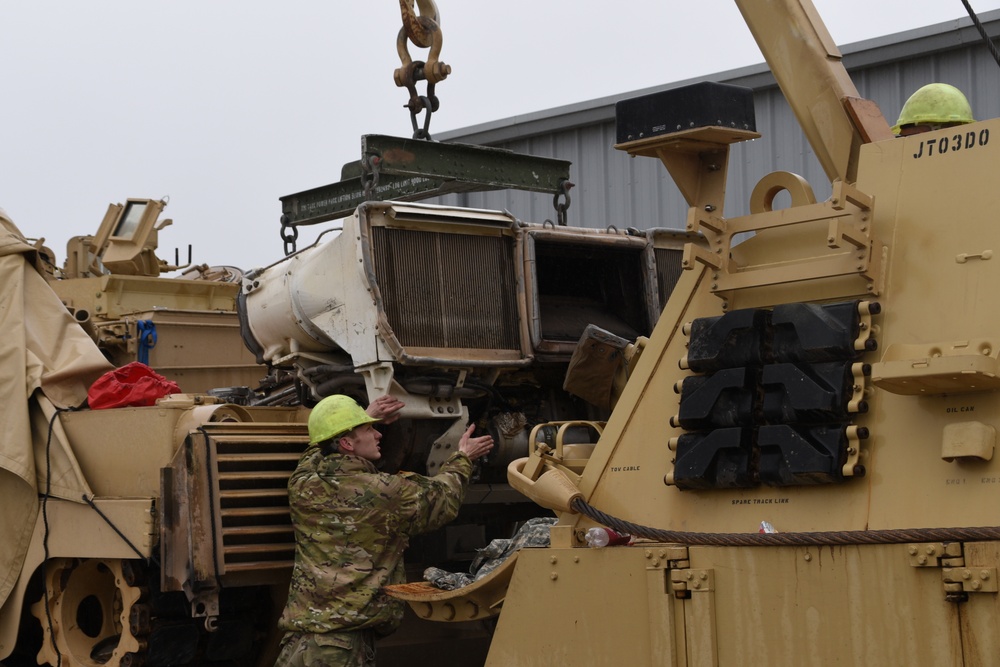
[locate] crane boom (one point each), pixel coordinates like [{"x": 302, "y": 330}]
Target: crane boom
[{"x": 807, "y": 65}]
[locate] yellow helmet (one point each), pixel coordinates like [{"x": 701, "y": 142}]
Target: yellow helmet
[
  {"x": 935, "y": 103},
  {"x": 336, "y": 415}
]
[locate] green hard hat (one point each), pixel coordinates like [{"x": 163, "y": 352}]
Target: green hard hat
[
  {"x": 935, "y": 103},
  {"x": 336, "y": 415}
]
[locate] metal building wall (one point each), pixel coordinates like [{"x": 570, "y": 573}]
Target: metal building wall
[{"x": 613, "y": 189}]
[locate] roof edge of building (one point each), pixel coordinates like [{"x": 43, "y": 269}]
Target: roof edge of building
[{"x": 944, "y": 36}]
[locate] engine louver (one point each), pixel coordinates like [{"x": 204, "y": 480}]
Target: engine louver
[{"x": 230, "y": 490}]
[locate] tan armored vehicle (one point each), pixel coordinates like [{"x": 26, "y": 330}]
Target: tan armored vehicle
[
  {"x": 803, "y": 458},
  {"x": 160, "y": 534}
]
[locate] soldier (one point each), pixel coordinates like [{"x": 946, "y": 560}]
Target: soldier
[{"x": 352, "y": 524}]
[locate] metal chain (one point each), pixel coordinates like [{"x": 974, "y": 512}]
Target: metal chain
[
  {"x": 831, "y": 538},
  {"x": 289, "y": 235},
  {"x": 562, "y": 206},
  {"x": 427, "y": 103}
]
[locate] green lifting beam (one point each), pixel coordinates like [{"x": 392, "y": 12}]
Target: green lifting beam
[{"x": 415, "y": 169}]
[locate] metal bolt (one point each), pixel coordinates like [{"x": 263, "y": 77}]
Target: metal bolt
[
  {"x": 966, "y": 575},
  {"x": 553, "y": 576},
  {"x": 553, "y": 560},
  {"x": 985, "y": 575},
  {"x": 808, "y": 557}
]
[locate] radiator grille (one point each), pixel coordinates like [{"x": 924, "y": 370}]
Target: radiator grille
[
  {"x": 668, "y": 271},
  {"x": 448, "y": 290}
]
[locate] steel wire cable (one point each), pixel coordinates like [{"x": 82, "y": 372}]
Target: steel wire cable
[{"x": 829, "y": 538}]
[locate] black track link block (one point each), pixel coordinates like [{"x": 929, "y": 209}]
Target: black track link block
[
  {"x": 801, "y": 455},
  {"x": 719, "y": 459},
  {"x": 729, "y": 341},
  {"x": 723, "y": 399},
  {"x": 813, "y": 333},
  {"x": 808, "y": 393}
]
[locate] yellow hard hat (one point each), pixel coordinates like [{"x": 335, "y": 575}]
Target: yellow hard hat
[
  {"x": 336, "y": 415},
  {"x": 935, "y": 103}
]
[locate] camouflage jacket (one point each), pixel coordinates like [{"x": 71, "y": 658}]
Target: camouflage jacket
[{"x": 352, "y": 524}]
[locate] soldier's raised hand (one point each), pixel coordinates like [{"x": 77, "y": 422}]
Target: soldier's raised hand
[
  {"x": 475, "y": 448},
  {"x": 385, "y": 408}
]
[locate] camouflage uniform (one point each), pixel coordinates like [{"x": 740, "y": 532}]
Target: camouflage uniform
[{"x": 352, "y": 524}]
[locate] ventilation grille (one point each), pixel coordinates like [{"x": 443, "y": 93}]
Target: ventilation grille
[
  {"x": 252, "y": 484},
  {"x": 448, "y": 290},
  {"x": 668, "y": 271}
]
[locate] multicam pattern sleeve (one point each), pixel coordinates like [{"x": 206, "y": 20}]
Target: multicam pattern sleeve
[{"x": 352, "y": 524}]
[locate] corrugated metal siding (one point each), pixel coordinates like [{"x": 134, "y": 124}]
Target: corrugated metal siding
[{"x": 613, "y": 189}]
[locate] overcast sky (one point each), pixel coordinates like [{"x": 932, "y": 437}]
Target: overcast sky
[{"x": 226, "y": 106}]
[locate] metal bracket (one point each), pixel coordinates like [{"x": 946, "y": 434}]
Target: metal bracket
[
  {"x": 667, "y": 557},
  {"x": 848, "y": 214},
  {"x": 931, "y": 554},
  {"x": 413, "y": 169},
  {"x": 685, "y": 582},
  {"x": 972, "y": 579}
]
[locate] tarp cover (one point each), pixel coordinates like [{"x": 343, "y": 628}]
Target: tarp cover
[{"x": 47, "y": 358}]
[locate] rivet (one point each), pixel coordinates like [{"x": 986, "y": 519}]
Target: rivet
[
  {"x": 553, "y": 576},
  {"x": 553, "y": 560},
  {"x": 808, "y": 557}
]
